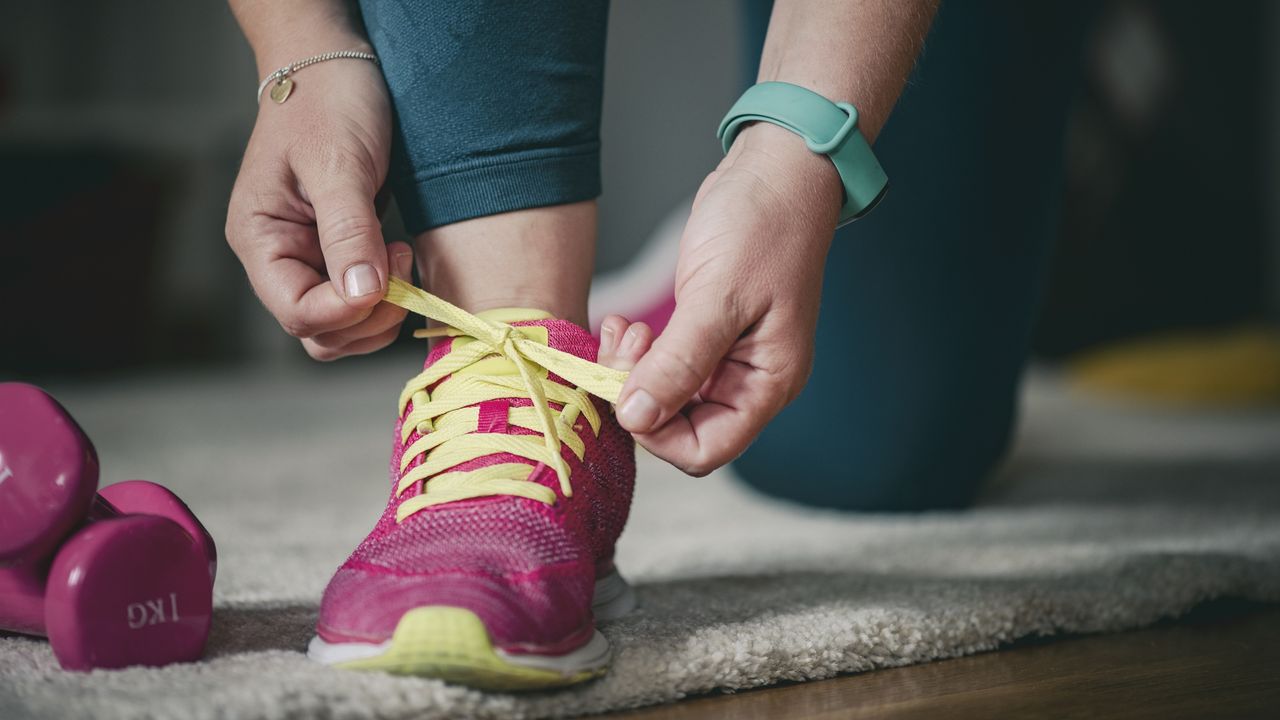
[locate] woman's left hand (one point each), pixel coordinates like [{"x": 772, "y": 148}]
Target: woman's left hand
[{"x": 739, "y": 346}]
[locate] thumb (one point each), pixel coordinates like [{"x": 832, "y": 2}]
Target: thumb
[
  {"x": 351, "y": 240},
  {"x": 675, "y": 368}
]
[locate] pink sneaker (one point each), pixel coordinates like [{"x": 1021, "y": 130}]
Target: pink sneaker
[{"x": 510, "y": 486}]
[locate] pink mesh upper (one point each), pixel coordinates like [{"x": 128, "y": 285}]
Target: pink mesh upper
[{"x": 525, "y": 568}]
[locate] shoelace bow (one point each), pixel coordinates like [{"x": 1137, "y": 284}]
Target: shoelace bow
[{"x": 448, "y": 418}]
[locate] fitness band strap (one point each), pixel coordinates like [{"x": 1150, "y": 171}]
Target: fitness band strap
[{"x": 828, "y": 128}]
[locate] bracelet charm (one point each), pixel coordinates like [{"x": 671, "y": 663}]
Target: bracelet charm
[
  {"x": 280, "y": 91},
  {"x": 283, "y": 78}
]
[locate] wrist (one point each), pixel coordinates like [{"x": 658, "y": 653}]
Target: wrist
[{"x": 789, "y": 158}]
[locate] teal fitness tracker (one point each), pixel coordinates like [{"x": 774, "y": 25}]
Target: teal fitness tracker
[{"x": 828, "y": 128}]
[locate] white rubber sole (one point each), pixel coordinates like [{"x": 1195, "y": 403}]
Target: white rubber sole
[{"x": 453, "y": 644}]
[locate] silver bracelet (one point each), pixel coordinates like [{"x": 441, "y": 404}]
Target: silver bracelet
[{"x": 284, "y": 83}]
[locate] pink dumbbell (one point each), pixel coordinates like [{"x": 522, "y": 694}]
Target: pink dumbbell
[{"x": 117, "y": 578}]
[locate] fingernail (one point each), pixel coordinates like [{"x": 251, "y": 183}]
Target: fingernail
[
  {"x": 404, "y": 263},
  {"x": 628, "y": 341},
  {"x": 360, "y": 280},
  {"x": 606, "y": 338},
  {"x": 639, "y": 412}
]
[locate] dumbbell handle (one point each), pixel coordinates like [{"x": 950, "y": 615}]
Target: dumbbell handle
[
  {"x": 22, "y": 585},
  {"x": 22, "y": 597},
  {"x": 102, "y": 509}
]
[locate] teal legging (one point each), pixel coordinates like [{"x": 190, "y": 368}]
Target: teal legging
[
  {"x": 496, "y": 103},
  {"x": 928, "y": 303}
]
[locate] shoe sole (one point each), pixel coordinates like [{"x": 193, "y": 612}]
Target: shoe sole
[{"x": 453, "y": 644}]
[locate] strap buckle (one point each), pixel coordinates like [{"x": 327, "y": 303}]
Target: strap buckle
[{"x": 850, "y": 124}]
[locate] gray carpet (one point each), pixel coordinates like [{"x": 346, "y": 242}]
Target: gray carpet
[{"x": 1107, "y": 518}]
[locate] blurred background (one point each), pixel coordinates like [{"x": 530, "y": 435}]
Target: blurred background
[{"x": 122, "y": 126}]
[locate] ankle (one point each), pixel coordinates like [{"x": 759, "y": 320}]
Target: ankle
[
  {"x": 572, "y": 309},
  {"x": 537, "y": 258}
]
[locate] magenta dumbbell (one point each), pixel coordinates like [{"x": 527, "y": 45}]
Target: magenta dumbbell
[
  {"x": 131, "y": 582},
  {"x": 48, "y": 473}
]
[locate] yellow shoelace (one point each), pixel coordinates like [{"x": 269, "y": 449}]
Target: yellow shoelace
[{"x": 448, "y": 419}]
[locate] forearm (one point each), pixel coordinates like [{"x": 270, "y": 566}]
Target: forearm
[
  {"x": 284, "y": 31},
  {"x": 857, "y": 51}
]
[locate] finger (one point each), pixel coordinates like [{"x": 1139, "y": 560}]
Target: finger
[
  {"x": 678, "y": 363},
  {"x": 634, "y": 342},
  {"x": 400, "y": 260},
  {"x": 611, "y": 328},
  {"x": 623, "y": 342},
  {"x": 350, "y": 236},
  {"x": 382, "y": 317},
  {"x": 359, "y": 347},
  {"x": 281, "y": 255},
  {"x": 713, "y": 433},
  {"x": 300, "y": 298},
  {"x": 685, "y": 440}
]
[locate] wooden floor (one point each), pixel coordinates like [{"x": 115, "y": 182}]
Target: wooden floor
[{"x": 1223, "y": 661}]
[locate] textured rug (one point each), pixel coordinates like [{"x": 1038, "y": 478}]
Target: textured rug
[{"x": 1107, "y": 518}]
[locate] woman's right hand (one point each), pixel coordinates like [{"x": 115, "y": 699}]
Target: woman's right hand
[{"x": 302, "y": 217}]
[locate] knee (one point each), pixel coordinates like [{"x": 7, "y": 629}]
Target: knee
[{"x": 938, "y": 461}]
